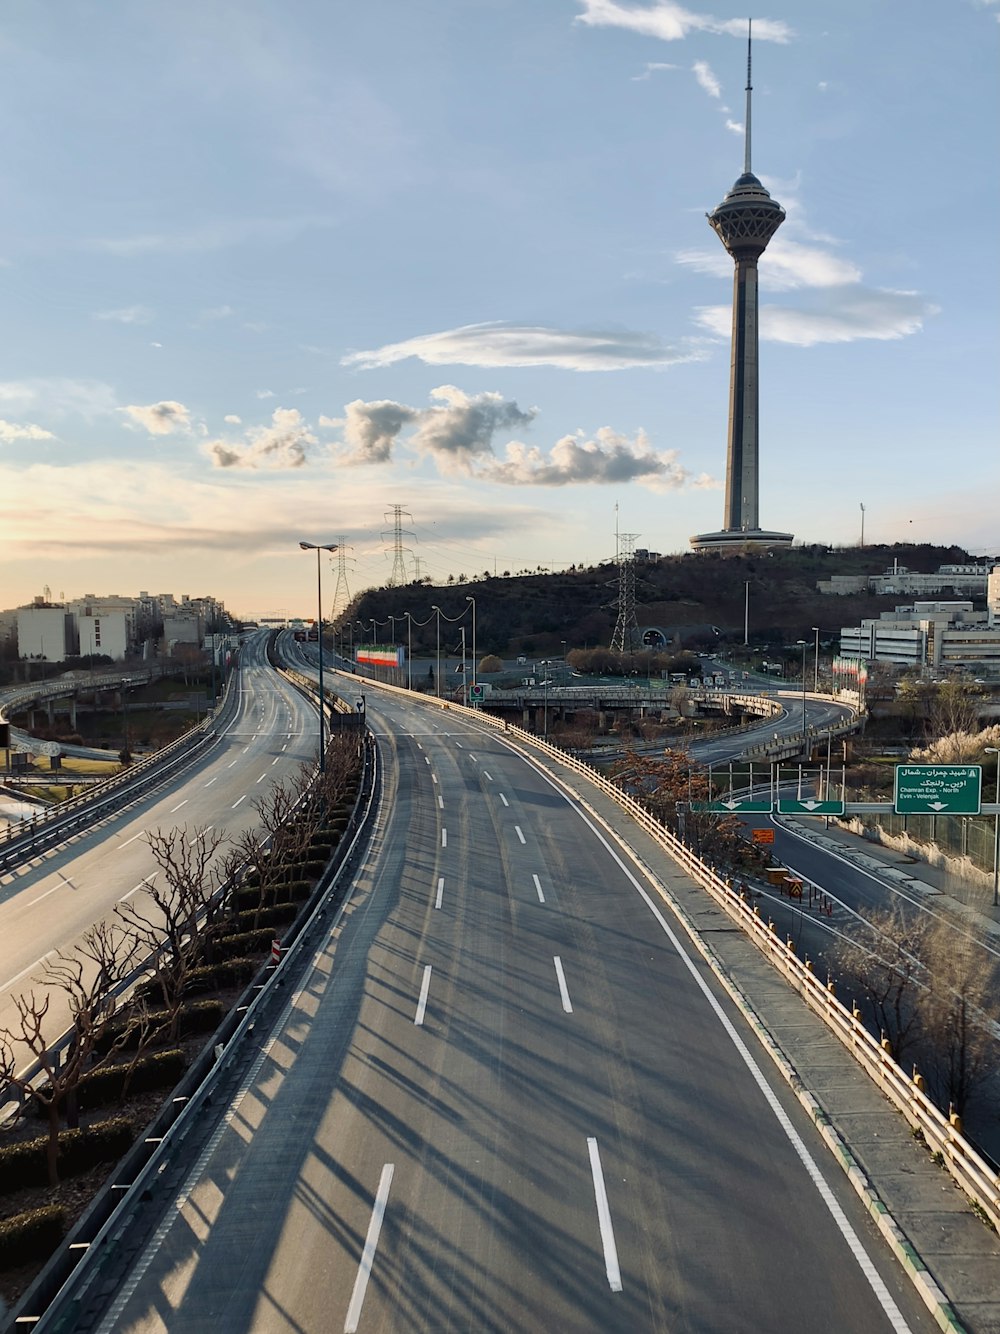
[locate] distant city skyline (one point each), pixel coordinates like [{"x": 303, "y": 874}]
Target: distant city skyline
[{"x": 264, "y": 280}]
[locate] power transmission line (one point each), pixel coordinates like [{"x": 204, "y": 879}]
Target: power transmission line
[{"x": 398, "y": 576}]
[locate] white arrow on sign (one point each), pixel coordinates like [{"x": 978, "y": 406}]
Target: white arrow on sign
[
  {"x": 811, "y": 804},
  {"x": 937, "y": 805}
]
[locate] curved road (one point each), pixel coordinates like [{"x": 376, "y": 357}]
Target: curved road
[
  {"x": 508, "y": 1096},
  {"x": 47, "y": 904}
]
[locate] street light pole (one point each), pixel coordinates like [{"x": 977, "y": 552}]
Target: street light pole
[
  {"x": 802, "y": 642},
  {"x": 437, "y": 670},
  {"x": 816, "y": 673},
  {"x": 746, "y": 613},
  {"x": 471, "y": 599},
  {"x": 409, "y": 650},
  {"x": 992, "y": 750},
  {"x": 318, "y": 547}
]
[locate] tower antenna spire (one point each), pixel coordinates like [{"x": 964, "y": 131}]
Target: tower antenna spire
[{"x": 746, "y": 150}]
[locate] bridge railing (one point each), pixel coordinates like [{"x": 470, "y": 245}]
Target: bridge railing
[{"x": 942, "y": 1137}]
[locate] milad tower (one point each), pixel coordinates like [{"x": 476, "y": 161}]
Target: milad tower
[{"x": 744, "y": 222}]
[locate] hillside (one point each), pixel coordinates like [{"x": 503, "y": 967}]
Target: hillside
[{"x": 683, "y": 595}]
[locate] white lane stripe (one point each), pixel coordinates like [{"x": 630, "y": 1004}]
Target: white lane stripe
[
  {"x": 604, "y": 1218},
  {"x": 230, "y": 766},
  {"x": 263, "y": 775},
  {"x": 178, "y": 806},
  {"x": 458, "y": 744},
  {"x": 538, "y": 888},
  {"x": 236, "y": 803},
  {"x": 472, "y": 757},
  {"x": 517, "y": 831},
  {"x": 488, "y": 775},
  {"x": 368, "y": 1254},
  {"x": 441, "y": 802},
  {"x": 146, "y": 880},
  {"x": 504, "y": 799},
  {"x": 207, "y": 830},
  {"x": 212, "y": 780},
  {"x": 425, "y": 986},
  {"x": 275, "y": 760},
  {"x": 563, "y": 989},
  {"x": 881, "y": 1292},
  {"x": 434, "y": 778},
  {"x": 132, "y": 839},
  {"x": 440, "y": 891},
  {"x": 444, "y": 838},
  {"x": 427, "y": 759}
]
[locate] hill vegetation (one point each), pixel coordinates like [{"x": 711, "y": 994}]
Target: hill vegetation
[{"x": 697, "y": 600}]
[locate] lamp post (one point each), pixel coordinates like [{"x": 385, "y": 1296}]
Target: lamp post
[
  {"x": 437, "y": 670},
  {"x": 993, "y": 750},
  {"x": 804, "y": 646},
  {"x": 746, "y": 612},
  {"x": 318, "y": 547},
  {"x": 816, "y": 672},
  {"x": 471, "y": 599},
  {"x": 409, "y": 650}
]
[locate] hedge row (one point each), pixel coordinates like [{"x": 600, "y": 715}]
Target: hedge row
[
  {"x": 223, "y": 975},
  {"x": 162, "y": 1069},
  {"x": 245, "y": 944},
  {"x": 288, "y": 891},
  {"x": 277, "y": 915},
  {"x": 31, "y": 1236},
  {"x": 199, "y": 1017},
  {"x": 26, "y": 1164}
]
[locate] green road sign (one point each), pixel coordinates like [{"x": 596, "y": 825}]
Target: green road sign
[
  {"x": 477, "y": 692},
  {"x": 938, "y": 789},
  {"x": 736, "y": 806},
  {"x": 809, "y": 806}
]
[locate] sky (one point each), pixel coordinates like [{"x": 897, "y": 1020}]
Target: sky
[{"x": 270, "y": 269}]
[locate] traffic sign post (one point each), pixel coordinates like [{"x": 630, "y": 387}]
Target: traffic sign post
[
  {"x": 477, "y": 693},
  {"x": 938, "y": 789},
  {"x": 809, "y": 806}
]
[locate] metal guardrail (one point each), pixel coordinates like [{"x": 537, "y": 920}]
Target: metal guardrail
[
  {"x": 54, "y": 1300},
  {"x": 972, "y": 1173}
]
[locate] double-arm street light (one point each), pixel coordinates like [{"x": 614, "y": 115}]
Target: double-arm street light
[
  {"x": 470, "y": 598},
  {"x": 318, "y": 547},
  {"x": 803, "y": 646},
  {"x": 993, "y": 750},
  {"x": 816, "y": 672}
]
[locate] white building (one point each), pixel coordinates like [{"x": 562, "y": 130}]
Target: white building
[
  {"x": 993, "y": 596},
  {"x": 969, "y": 580},
  {"x": 107, "y": 633},
  {"x": 45, "y": 632},
  {"x": 939, "y": 635}
]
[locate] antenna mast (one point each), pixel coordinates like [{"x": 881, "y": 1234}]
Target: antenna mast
[{"x": 746, "y": 150}]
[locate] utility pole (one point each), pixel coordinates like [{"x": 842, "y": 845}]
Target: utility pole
[{"x": 398, "y": 576}]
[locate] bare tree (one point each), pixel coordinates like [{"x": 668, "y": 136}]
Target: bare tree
[
  {"x": 954, "y": 707},
  {"x": 87, "y": 977},
  {"x": 179, "y": 916},
  {"x": 960, "y": 1010},
  {"x": 886, "y": 970}
]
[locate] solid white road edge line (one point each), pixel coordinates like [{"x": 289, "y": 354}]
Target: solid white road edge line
[
  {"x": 368, "y": 1254},
  {"x": 604, "y": 1218}
]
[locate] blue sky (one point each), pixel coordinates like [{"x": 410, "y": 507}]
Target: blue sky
[{"x": 270, "y": 268}]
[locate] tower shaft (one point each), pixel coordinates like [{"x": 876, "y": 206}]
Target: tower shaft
[{"x": 742, "y": 488}]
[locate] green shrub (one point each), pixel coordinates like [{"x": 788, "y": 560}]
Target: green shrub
[
  {"x": 199, "y": 1017},
  {"x": 161, "y": 1070},
  {"x": 31, "y": 1236},
  {"x": 223, "y": 975},
  {"x": 277, "y": 915},
  {"x": 246, "y": 943},
  {"x": 26, "y": 1164}
]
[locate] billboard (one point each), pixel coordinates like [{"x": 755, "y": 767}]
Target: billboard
[{"x": 380, "y": 655}]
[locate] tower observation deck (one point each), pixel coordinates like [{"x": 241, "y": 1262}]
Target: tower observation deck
[{"x": 744, "y": 222}]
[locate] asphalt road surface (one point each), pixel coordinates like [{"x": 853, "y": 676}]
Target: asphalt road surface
[{"x": 508, "y": 1097}]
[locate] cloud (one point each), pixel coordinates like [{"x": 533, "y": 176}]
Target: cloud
[
  {"x": 265, "y": 393},
  {"x": 371, "y": 429},
  {"x": 127, "y": 315},
  {"x": 706, "y": 79},
  {"x": 11, "y": 431},
  {"x": 233, "y": 420},
  {"x": 652, "y": 67},
  {"x": 458, "y": 433},
  {"x": 281, "y": 445},
  {"x": 164, "y": 418},
  {"x": 608, "y": 458},
  {"x": 785, "y": 265},
  {"x": 850, "y": 314},
  {"x": 498, "y": 344},
  {"x": 210, "y": 236},
  {"x": 672, "y": 23},
  {"x": 59, "y": 397}
]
